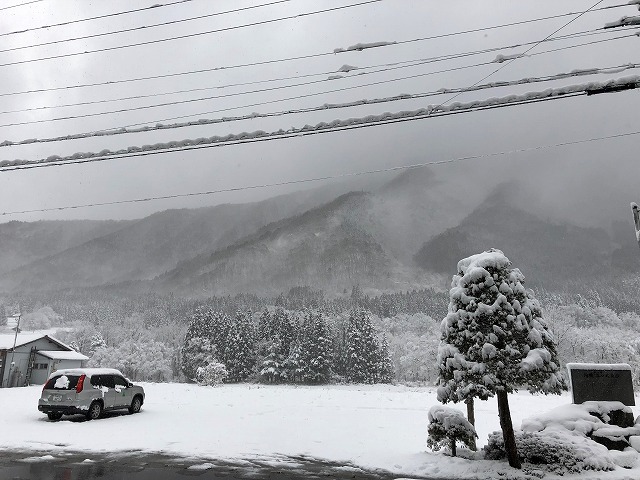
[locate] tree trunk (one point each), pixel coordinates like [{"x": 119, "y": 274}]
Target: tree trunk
[
  {"x": 507, "y": 430},
  {"x": 453, "y": 447},
  {"x": 471, "y": 416}
]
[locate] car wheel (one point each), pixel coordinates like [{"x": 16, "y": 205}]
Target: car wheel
[
  {"x": 135, "y": 405},
  {"x": 54, "y": 415},
  {"x": 95, "y": 410}
]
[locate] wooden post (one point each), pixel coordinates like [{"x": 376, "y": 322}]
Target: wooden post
[{"x": 507, "y": 429}]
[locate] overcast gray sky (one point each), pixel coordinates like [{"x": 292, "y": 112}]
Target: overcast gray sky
[{"x": 577, "y": 173}]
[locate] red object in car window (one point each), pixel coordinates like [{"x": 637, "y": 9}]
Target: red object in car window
[{"x": 80, "y": 383}]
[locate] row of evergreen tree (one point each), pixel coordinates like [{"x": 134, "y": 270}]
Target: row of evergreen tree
[{"x": 287, "y": 346}]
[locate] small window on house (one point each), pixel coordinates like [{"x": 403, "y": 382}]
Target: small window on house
[{"x": 41, "y": 366}]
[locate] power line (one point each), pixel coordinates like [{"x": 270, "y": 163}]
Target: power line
[
  {"x": 509, "y": 62},
  {"x": 33, "y": 29},
  {"x": 20, "y": 4},
  {"x": 403, "y": 97},
  {"x": 297, "y": 97},
  {"x": 287, "y": 59},
  {"x": 329, "y": 177},
  {"x": 143, "y": 27},
  {"x": 359, "y": 70},
  {"x": 328, "y": 127},
  {"x": 190, "y": 35}
]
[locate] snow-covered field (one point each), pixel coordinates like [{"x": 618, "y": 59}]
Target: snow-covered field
[{"x": 368, "y": 426}]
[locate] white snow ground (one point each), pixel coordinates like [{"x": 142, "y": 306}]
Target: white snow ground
[{"x": 376, "y": 426}]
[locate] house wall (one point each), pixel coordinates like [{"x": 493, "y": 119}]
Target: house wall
[
  {"x": 39, "y": 375},
  {"x": 15, "y": 376}
]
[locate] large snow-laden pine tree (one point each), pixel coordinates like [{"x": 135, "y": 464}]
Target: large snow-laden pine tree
[{"x": 494, "y": 339}]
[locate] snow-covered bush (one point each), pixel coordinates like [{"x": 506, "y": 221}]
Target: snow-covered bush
[
  {"x": 211, "y": 374},
  {"x": 559, "y": 451},
  {"x": 607, "y": 423},
  {"x": 448, "y": 426}
]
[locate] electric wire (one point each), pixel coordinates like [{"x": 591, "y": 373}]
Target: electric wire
[
  {"x": 329, "y": 177},
  {"x": 189, "y": 35},
  {"x": 280, "y": 60},
  {"x": 70, "y": 22},
  {"x": 327, "y": 127},
  {"x": 509, "y": 62},
  {"x": 325, "y": 107},
  {"x": 21, "y": 4},
  {"x": 297, "y": 97},
  {"x": 359, "y": 70},
  {"x": 142, "y": 27}
]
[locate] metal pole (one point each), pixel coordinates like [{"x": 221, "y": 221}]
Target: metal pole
[
  {"x": 15, "y": 338},
  {"x": 636, "y": 219}
]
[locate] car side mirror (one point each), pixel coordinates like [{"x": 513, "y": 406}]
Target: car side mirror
[{"x": 129, "y": 384}]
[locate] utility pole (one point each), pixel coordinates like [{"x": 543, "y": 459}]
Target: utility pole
[
  {"x": 13, "y": 351},
  {"x": 636, "y": 219}
]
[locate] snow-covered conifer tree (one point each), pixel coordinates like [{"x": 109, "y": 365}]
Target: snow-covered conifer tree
[
  {"x": 272, "y": 368},
  {"x": 240, "y": 348},
  {"x": 265, "y": 325},
  {"x": 316, "y": 348},
  {"x": 494, "y": 340},
  {"x": 293, "y": 363},
  {"x": 284, "y": 329},
  {"x": 205, "y": 338},
  {"x": 385, "y": 371},
  {"x": 361, "y": 349}
]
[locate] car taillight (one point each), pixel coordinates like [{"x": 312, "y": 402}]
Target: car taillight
[{"x": 80, "y": 383}]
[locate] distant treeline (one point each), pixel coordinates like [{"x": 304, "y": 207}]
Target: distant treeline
[{"x": 100, "y": 308}]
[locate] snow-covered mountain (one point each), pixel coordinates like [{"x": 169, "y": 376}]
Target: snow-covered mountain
[{"x": 406, "y": 233}]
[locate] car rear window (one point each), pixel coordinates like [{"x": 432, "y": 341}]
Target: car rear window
[{"x": 62, "y": 382}]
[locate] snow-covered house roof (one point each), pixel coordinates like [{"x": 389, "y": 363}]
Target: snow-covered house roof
[
  {"x": 6, "y": 340},
  {"x": 62, "y": 355}
]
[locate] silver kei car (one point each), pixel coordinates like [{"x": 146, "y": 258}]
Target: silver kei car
[{"x": 89, "y": 391}]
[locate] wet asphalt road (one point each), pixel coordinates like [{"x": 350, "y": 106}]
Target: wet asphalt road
[{"x": 87, "y": 466}]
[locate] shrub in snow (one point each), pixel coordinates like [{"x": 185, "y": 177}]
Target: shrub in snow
[
  {"x": 448, "y": 426},
  {"x": 494, "y": 340},
  {"x": 560, "y": 452},
  {"x": 211, "y": 374}
]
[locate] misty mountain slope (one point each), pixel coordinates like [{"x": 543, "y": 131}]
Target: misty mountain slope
[
  {"x": 146, "y": 248},
  {"x": 414, "y": 207},
  {"x": 549, "y": 254},
  {"x": 24, "y": 242},
  {"x": 324, "y": 247}
]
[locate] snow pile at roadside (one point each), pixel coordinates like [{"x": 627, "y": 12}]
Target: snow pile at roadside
[{"x": 365, "y": 426}]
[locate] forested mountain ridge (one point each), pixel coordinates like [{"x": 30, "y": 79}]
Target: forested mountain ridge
[
  {"x": 24, "y": 242},
  {"x": 322, "y": 246},
  {"x": 550, "y": 254},
  {"x": 407, "y": 233},
  {"x": 138, "y": 249}
]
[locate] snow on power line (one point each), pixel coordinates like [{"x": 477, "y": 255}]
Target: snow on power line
[
  {"x": 326, "y": 106},
  {"x": 340, "y": 124}
]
